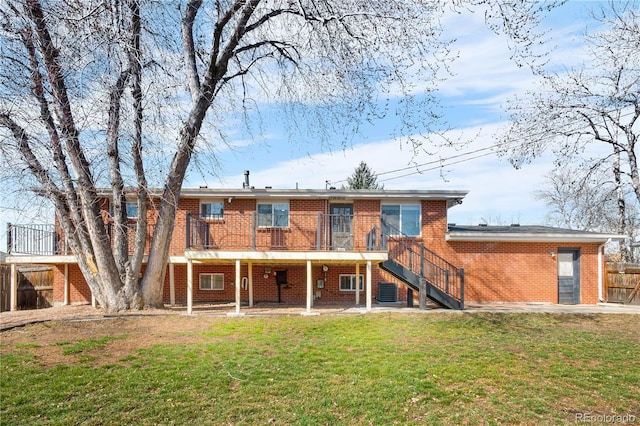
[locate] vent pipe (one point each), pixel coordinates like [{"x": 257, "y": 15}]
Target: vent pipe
[{"x": 245, "y": 184}]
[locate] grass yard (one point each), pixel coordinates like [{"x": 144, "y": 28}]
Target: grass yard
[{"x": 344, "y": 369}]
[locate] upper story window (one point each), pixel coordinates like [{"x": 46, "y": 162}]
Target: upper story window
[
  {"x": 132, "y": 210},
  {"x": 131, "y": 207},
  {"x": 274, "y": 215},
  {"x": 211, "y": 209},
  {"x": 402, "y": 219}
]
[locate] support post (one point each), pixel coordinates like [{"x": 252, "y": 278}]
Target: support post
[
  {"x": 309, "y": 287},
  {"x": 307, "y": 311},
  {"x": 14, "y": 287},
  {"x": 423, "y": 293},
  {"x": 357, "y": 284},
  {"x": 238, "y": 284},
  {"x": 250, "y": 283},
  {"x": 65, "y": 300},
  {"x": 172, "y": 285},
  {"x": 368, "y": 294},
  {"x": 189, "y": 286}
]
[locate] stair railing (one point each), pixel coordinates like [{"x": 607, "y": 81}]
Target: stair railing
[{"x": 414, "y": 256}]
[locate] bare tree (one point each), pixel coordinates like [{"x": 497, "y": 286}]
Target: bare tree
[
  {"x": 586, "y": 198},
  {"x": 93, "y": 80},
  {"x": 590, "y": 111}
]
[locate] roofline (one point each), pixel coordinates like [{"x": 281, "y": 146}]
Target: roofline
[
  {"x": 338, "y": 194},
  {"x": 533, "y": 237}
]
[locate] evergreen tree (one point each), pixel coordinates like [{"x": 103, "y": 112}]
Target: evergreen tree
[{"x": 363, "y": 178}]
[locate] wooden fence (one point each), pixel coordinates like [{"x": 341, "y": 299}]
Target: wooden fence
[
  {"x": 5, "y": 287},
  {"x": 622, "y": 283},
  {"x": 35, "y": 287}
]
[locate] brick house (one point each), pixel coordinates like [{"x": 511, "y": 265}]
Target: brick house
[{"x": 310, "y": 247}]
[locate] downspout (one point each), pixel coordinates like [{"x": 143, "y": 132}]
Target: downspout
[{"x": 600, "y": 270}]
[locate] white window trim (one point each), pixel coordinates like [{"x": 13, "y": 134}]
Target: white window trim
[
  {"x": 272, "y": 203},
  {"x": 212, "y": 275},
  {"x": 210, "y": 201},
  {"x": 400, "y": 204},
  {"x": 352, "y": 276}
]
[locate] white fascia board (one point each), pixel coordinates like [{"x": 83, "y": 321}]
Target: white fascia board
[
  {"x": 532, "y": 238},
  {"x": 287, "y": 256},
  {"x": 337, "y": 194},
  {"x": 40, "y": 259}
]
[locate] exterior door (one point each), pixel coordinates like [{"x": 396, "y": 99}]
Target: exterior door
[
  {"x": 569, "y": 276},
  {"x": 341, "y": 224}
]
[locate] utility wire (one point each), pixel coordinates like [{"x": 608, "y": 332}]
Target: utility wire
[{"x": 443, "y": 162}]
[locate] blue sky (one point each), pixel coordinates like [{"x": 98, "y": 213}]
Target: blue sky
[{"x": 484, "y": 78}]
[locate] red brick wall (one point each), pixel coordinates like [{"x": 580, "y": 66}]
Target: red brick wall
[
  {"x": 521, "y": 272},
  {"x": 78, "y": 289},
  {"x": 509, "y": 272}
]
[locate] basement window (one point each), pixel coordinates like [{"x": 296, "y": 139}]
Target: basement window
[
  {"x": 348, "y": 282},
  {"x": 211, "y": 281}
]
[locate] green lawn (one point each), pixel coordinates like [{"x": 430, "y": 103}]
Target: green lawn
[{"x": 349, "y": 369}]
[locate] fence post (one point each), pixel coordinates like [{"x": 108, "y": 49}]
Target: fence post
[{"x": 188, "y": 231}]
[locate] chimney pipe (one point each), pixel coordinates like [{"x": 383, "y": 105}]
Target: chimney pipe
[{"x": 246, "y": 179}]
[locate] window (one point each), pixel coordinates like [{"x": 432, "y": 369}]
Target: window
[
  {"x": 131, "y": 207},
  {"x": 132, "y": 210},
  {"x": 402, "y": 219},
  {"x": 274, "y": 215},
  {"x": 211, "y": 209},
  {"x": 211, "y": 281},
  {"x": 348, "y": 282}
]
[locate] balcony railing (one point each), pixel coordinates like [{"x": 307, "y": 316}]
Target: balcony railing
[
  {"x": 303, "y": 232},
  {"x": 235, "y": 231},
  {"x": 34, "y": 239}
]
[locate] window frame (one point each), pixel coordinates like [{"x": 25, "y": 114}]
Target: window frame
[
  {"x": 212, "y": 275},
  {"x": 351, "y": 282},
  {"x": 401, "y": 207},
  {"x": 273, "y": 217},
  {"x": 212, "y": 216}
]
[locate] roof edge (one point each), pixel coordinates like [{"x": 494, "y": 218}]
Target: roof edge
[{"x": 531, "y": 237}]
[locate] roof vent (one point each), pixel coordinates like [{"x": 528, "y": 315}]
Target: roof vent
[
  {"x": 515, "y": 224},
  {"x": 482, "y": 224}
]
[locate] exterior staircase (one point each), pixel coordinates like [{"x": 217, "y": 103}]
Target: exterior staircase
[{"x": 418, "y": 267}]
